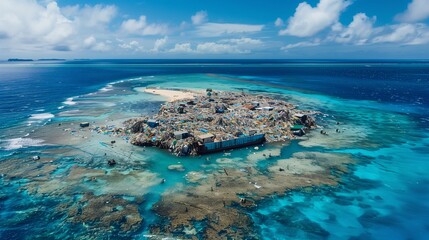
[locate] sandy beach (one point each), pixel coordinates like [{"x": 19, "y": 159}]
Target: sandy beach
[{"x": 172, "y": 95}]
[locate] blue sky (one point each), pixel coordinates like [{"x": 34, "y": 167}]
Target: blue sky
[{"x": 352, "y": 29}]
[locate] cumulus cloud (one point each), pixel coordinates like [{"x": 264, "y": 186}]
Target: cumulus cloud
[
  {"x": 182, "y": 48},
  {"x": 279, "y": 22},
  {"x": 144, "y": 45},
  {"x": 357, "y": 32},
  {"x": 91, "y": 43},
  {"x": 233, "y": 45},
  {"x": 361, "y": 31},
  {"x": 224, "y": 46},
  {"x": 417, "y": 10},
  {"x": 308, "y": 21},
  {"x": 31, "y": 25},
  {"x": 97, "y": 16},
  {"x": 421, "y": 38},
  {"x": 219, "y": 29},
  {"x": 26, "y": 21},
  {"x": 242, "y": 41},
  {"x": 159, "y": 44},
  {"x": 131, "y": 45},
  {"x": 218, "y": 48},
  {"x": 199, "y": 18},
  {"x": 141, "y": 27},
  {"x": 314, "y": 43},
  {"x": 406, "y": 34}
]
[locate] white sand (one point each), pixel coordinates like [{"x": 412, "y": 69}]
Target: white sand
[{"x": 173, "y": 95}]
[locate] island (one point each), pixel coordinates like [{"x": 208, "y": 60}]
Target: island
[
  {"x": 51, "y": 59},
  {"x": 201, "y": 122},
  {"x": 20, "y": 60}
]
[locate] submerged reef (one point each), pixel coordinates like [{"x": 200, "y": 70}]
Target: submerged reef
[
  {"x": 216, "y": 207},
  {"x": 107, "y": 212},
  {"x": 93, "y": 202},
  {"x": 218, "y": 121}
]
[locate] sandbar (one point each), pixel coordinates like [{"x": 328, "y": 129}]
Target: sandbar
[{"x": 172, "y": 95}]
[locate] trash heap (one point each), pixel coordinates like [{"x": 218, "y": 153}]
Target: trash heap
[{"x": 181, "y": 126}]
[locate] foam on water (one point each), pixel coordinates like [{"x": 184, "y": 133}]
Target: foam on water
[
  {"x": 109, "y": 87},
  {"x": 69, "y": 101},
  {"x": 16, "y": 143},
  {"x": 42, "y": 116}
]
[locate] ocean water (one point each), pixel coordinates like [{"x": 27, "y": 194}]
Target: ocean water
[{"x": 383, "y": 108}]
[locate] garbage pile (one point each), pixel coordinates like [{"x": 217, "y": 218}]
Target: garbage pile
[
  {"x": 183, "y": 125},
  {"x": 111, "y": 130}
]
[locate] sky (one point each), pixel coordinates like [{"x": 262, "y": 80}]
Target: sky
[{"x": 285, "y": 29}]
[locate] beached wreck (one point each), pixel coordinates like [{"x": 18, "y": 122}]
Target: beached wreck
[{"x": 218, "y": 121}]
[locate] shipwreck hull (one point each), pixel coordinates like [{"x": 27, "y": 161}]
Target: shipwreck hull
[{"x": 231, "y": 144}]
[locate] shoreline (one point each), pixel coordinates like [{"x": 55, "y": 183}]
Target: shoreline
[
  {"x": 172, "y": 95},
  {"x": 218, "y": 121}
]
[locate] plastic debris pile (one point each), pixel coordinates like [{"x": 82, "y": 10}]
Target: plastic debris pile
[{"x": 181, "y": 126}]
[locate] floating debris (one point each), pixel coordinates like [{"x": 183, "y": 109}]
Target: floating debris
[
  {"x": 111, "y": 162},
  {"x": 84, "y": 124}
]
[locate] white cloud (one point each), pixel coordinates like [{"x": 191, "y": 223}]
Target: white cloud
[
  {"x": 132, "y": 25},
  {"x": 400, "y": 33},
  {"x": 357, "y": 32},
  {"x": 182, "y": 48},
  {"x": 219, "y": 29},
  {"x": 30, "y": 26},
  {"x": 233, "y": 45},
  {"x": 159, "y": 44},
  {"x": 307, "y": 21},
  {"x": 242, "y": 41},
  {"x": 219, "y": 48},
  {"x": 101, "y": 47},
  {"x": 314, "y": 43},
  {"x": 141, "y": 27},
  {"x": 131, "y": 45},
  {"x": 27, "y": 21},
  {"x": 417, "y": 10},
  {"x": 279, "y": 22},
  {"x": 199, "y": 18},
  {"x": 91, "y": 43},
  {"x": 97, "y": 16},
  {"x": 406, "y": 34},
  {"x": 422, "y": 38},
  {"x": 224, "y": 46},
  {"x": 337, "y": 27}
]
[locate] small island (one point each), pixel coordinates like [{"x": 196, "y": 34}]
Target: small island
[
  {"x": 20, "y": 60},
  {"x": 51, "y": 59},
  {"x": 198, "y": 122}
]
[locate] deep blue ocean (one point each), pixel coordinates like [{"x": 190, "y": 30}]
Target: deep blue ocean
[
  {"x": 25, "y": 87},
  {"x": 399, "y": 87},
  {"x": 28, "y": 86}
]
